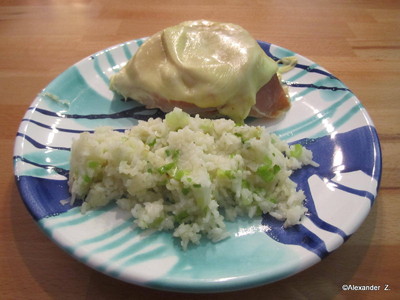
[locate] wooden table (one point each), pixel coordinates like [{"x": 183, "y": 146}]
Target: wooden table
[{"x": 358, "y": 41}]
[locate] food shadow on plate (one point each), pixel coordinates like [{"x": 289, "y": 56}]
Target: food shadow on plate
[
  {"x": 141, "y": 112},
  {"x": 135, "y": 110}
]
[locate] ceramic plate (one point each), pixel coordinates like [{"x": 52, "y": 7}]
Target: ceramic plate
[{"x": 325, "y": 116}]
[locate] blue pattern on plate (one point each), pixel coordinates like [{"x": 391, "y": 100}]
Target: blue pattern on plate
[
  {"x": 338, "y": 122},
  {"x": 351, "y": 144}
]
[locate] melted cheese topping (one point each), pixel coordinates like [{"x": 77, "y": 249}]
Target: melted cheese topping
[{"x": 207, "y": 64}]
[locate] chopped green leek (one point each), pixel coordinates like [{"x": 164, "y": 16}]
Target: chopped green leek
[
  {"x": 178, "y": 174},
  {"x": 157, "y": 222},
  {"x": 200, "y": 202},
  {"x": 181, "y": 216},
  {"x": 267, "y": 173},
  {"x": 173, "y": 153},
  {"x": 225, "y": 173},
  {"x": 185, "y": 191},
  {"x": 93, "y": 164},
  {"x": 168, "y": 167},
  {"x": 267, "y": 162},
  {"x": 242, "y": 139},
  {"x": 152, "y": 143},
  {"x": 297, "y": 150},
  {"x": 273, "y": 200},
  {"x": 239, "y": 123},
  {"x": 246, "y": 184},
  {"x": 177, "y": 119},
  {"x": 87, "y": 179}
]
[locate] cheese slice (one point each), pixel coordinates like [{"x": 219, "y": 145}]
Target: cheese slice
[{"x": 209, "y": 65}]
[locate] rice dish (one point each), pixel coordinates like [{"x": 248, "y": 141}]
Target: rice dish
[{"x": 189, "y": 175}]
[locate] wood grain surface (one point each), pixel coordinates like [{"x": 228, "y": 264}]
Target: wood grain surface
[{"x": 358, "y": 41}]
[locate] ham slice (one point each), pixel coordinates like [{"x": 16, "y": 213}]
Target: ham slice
[{"x": 271, "y": 102}]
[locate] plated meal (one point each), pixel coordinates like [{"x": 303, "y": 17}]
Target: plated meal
[
  {"x": 182, "y": 173},
  {"x": 197, "y": 159}
]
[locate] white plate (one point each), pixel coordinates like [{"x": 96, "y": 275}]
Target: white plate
[{"x": 325, "y": 115}]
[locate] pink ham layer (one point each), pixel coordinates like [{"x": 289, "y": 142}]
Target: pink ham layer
[{"x": 271, "y": 102}]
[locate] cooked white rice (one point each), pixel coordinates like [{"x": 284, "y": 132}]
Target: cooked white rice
[{"x": 188, "y": 174}]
